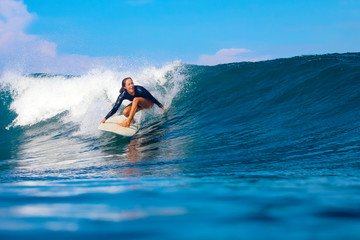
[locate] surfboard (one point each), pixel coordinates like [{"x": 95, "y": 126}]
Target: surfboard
[{"x": 111, "y": 126}]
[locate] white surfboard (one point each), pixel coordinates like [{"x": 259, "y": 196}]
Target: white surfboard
[{"x": 111, "y": 125}]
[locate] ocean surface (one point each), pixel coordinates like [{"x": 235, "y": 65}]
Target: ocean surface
[{"x": 264, "y": 150}]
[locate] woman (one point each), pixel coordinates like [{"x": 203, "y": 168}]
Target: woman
[{"x": 140, "y": 97}]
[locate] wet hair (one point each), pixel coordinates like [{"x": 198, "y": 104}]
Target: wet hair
[{"x": 123, "y": 84}]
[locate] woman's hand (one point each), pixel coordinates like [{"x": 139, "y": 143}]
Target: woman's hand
[
  {"x": 103, "y": 121},
  {"x": 164, "y": 109}
]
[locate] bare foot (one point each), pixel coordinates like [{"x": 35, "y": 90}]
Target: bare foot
[{"x": 124, "y": 123}]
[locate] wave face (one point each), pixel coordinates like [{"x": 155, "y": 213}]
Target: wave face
[
  {"x": 302, "y": 108},
  {"x": 264, "y": 145}
]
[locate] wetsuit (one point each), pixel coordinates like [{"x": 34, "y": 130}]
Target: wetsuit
[{"x": 139, "y": 92}]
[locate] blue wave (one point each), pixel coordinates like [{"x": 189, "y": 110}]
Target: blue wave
[
  {"x": 246, "y": 148},
  {"x": 287, "y": 107}
]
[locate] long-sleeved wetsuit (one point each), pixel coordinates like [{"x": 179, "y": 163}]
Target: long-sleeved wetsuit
[{"x": 139, "y": 92}]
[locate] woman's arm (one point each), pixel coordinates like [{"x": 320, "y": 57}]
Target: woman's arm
[
  {"x": 115, "y": 108},
  {"x": 146, "y": 94}
]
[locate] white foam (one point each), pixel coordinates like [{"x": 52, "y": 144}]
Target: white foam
[{"x": 88, "y": 98}]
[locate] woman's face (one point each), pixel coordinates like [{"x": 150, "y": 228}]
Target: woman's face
[{"x": 129, "y": 85}]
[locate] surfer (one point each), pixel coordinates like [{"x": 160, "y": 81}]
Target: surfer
[{"x": 140, "y": 97}]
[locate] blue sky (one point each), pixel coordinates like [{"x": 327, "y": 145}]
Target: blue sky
[{"x": 193, "y": 31}]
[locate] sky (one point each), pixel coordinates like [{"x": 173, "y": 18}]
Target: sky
[{"x": 70, "y": 35}]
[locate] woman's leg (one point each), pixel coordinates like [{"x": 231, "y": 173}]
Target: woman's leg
[
  {"x": 138, "y": 104},
  {"x": 126, "y": 111}
]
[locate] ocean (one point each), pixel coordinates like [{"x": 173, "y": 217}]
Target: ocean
[{"x": 250, "y": 150}]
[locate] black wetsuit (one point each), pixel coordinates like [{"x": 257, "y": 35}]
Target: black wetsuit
[{"x": 139, "y": 92}]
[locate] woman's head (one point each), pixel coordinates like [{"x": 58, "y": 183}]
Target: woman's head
[{"x": 126, "y": 82}]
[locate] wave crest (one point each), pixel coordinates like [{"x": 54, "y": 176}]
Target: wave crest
[{"x": 39, "y": 97}]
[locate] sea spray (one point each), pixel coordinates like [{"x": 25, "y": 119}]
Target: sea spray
[{"x": 39, "y": 97}]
